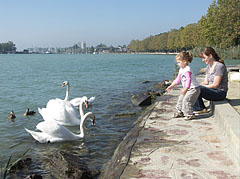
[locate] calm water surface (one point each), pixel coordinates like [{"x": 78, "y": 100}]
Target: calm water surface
[{"x": 30, "y": 81}]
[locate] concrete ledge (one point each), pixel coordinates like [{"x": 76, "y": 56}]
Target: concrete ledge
[
  {"x": 228, "y": 121},
  {"x": 234, "y": 76}
]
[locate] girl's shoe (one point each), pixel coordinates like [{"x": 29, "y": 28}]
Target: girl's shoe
[
  {"x": 178, "y": 114},
  {"x": 190, "y": 117}
]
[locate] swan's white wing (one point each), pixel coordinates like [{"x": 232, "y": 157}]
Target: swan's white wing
[
  {"x": 72, "y": 114},
  {"x": 61, "y": 111},
  {"x": 91, "y": 99},
  {"x": 39, "y": 136},
  {"x": 53, "y": 101},
  {"x": 56, "y": 110},
  {"x": 45, "y": 138},
  {"x": 55, "y": 130},
  {"x": 75, "y": 101},
  {"x": 45, "y": 114}
]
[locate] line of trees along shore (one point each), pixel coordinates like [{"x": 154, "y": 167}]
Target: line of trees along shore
[
  {"x": 219, "y": 28},
  {"x": 8, "y": 47}
]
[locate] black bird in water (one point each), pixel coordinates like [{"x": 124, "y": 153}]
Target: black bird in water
[
  {"x": 28, "y": 113},
  {"x": 11, "y": 115}
]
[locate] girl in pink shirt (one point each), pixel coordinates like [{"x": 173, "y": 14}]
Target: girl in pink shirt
[{"x": 191, "y": 89}]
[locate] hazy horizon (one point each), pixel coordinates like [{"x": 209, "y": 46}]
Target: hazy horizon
[{"x": 55, "y": 23}]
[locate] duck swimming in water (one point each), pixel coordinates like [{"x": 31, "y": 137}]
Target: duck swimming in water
[
  {"x": 28, "y": 113},
  {"x": 11, "y": 115}
]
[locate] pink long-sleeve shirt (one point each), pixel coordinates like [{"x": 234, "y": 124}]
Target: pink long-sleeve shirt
[{"x": 187, "y": 78}]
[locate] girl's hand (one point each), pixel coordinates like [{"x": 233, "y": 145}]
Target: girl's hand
[{"x": 168, "y": 88}]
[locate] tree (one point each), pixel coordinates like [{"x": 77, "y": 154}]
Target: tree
[
  {"x": 172, "y": 37},
  {"x": 190, "y": 36},
  {"x": 101, "y": 45},
  {"x": 8, "y": 47},
  {"x": 220, "y": 27},
  {"x": 91, "y": 49},
  {"x": 111, "y": 49},
  {"x": 228, "y": 22}
]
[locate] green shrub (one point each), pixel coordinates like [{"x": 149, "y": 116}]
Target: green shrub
[{"x": 230, "y": 53}]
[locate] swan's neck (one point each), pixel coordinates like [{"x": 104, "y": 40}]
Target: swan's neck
[
  {"x": 81, "y": 110},
  {"x": 67, "y": 92},
  {"x": 90, "y": 115}
]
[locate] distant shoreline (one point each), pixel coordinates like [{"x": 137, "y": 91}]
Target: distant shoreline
[
  {"x": 134, "y": 53},
  {"x": 156, "y": 53}
]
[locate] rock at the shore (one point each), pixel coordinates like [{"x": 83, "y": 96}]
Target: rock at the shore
[
  {"x": 142, "y": 99},
  {"x": 145, "y": 98},
  {"x": 125, "y": 115},
  {"x": 67, "y": 165},
  {"x": 144, "y": 82},
  {"x": 34, "y": 176},
  {"x": 20, "y": 165},
  {"x": 162, "y": 85}
]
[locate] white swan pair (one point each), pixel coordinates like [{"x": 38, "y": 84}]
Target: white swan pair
[
  {"x": 57, "y": 113},
  {"x": 64, "y": 111},
  {"x": 52, "y": 131}
]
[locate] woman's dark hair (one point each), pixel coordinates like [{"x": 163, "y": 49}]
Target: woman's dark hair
[{"x": 209, "y": 50}]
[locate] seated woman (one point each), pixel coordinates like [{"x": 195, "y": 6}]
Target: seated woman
[{"x": 215, "y": 85}]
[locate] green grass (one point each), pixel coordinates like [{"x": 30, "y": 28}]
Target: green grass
[{"x": 8, "y": 165}]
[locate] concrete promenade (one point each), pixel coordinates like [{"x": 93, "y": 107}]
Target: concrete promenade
[{"x": 160, "y": 146}]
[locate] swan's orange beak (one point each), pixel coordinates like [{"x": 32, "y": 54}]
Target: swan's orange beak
[
  {"x": 86, "y": 105},
  {"x": 63, "y": 85}
]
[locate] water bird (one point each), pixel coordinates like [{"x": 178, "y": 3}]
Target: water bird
[
  {"x": 75, "y": 101},
  {"x": 62, "y": 111},
  {"x": 62, "y": 117},
  {"x": 52, "y": 132},
  {"x": 29, "y": 113},
  {"x": 11, "y": 115}
]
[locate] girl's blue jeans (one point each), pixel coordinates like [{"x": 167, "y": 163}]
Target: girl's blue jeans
[{"x": 208, "y": 94}]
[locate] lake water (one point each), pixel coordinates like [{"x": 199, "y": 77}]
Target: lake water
[{"x": 30, "y": 81}]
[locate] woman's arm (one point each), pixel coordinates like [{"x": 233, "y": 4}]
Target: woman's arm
[
  {"x": 218, "y": 75},
  {"x": 205, "y": 82},
  {"x": 216, "y": 82}
]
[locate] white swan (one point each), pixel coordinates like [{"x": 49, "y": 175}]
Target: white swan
[
  {"x": 52, "y": 132},
  {"x": 63, "y": 111},
  {"x": 75, "y": 101}
]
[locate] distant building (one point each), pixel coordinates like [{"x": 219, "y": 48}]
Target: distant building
[{"x": 83, "y": 45}]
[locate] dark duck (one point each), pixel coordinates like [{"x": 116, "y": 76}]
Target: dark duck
[
  {"x": 11, "y": 115},
  {"x": 29, "y": 113}
]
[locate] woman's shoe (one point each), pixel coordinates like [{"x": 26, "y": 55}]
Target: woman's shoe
[
  {"x": 205, "y": 110},
  {"x": 178, "y": 114},
  {"x": 190, "y": 117}
]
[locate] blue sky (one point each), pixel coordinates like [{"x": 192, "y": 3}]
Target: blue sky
[{"x": 62, "y": 23}]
